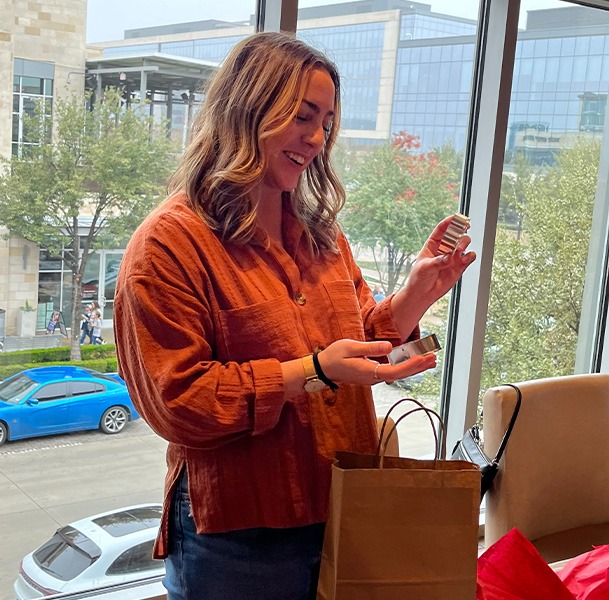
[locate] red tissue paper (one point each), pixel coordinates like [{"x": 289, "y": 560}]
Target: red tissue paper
[
  {"x": 512, "y": 569},
  {"x": 587, "y": 575}
]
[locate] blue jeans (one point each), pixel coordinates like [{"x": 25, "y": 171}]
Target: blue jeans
[{"x": 251, "y": 564}]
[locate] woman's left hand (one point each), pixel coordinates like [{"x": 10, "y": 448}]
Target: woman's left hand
[{"x": 432, "y": 275}]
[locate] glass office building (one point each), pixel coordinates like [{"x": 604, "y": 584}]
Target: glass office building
[{"x": 408, "y": 69}]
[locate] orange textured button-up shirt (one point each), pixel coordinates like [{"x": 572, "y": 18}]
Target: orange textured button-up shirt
[{"x": 201, "y": 328}]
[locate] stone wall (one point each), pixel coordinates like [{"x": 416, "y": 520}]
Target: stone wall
[{"x": 48, "y": 31}]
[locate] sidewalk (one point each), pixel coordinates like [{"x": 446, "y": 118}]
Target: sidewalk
[{"x": 14, "y": 342}]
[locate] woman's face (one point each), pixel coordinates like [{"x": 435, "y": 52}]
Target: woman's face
[{"x": 290, "y": 152}]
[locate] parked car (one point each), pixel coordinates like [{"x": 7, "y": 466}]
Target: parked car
[
  {"x": 107, "y": 549},
  {"x": 49, "y": 400}
]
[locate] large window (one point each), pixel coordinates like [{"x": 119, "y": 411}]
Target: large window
[
  {"x": 54, "y": 287},
  {"x": 32, "y": 92},
  {"x": 504, "y": 122},
  {"x": 548, "y": 198},
  {"x": 406, "y": 92},
  {"x": 99, "y": 284}
]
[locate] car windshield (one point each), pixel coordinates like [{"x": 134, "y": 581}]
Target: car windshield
[
  {"x": 67, "y": 554},
  {"x": 14, "y": 389}
]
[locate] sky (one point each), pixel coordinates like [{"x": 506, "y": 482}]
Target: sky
[{"x": 108, "y": 19}]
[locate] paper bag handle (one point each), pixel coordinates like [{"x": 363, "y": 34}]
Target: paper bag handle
[
  {"x": 440, "y": 449},
  {"x": 391, "y": 409}
]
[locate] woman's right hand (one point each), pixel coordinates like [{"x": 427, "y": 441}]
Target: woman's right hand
[{"x": 346, "y": 361}]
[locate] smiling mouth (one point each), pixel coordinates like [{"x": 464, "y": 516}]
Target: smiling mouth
[{"x": 296, "y": 158}]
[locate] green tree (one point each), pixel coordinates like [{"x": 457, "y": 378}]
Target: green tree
[
  {"x": 514, "y": 190},
  {"x": 538, "y": 272},
  {"x": 395, "y": 197},
  {"x": 108, "y": 163},
  {"x": 538, "y": 281}
]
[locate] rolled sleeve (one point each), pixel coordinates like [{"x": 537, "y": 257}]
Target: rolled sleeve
[{"x": 269, "y": 398}]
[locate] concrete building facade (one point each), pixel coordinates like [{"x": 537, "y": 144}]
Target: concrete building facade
[
  {"x": 42, "y": 56},
  {"x": 43, "y": 51}
]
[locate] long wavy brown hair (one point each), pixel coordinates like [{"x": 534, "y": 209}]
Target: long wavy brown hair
[{"x": 256, "y": 93}]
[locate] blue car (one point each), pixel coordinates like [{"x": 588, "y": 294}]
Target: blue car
[{"x": 49, "y": 400}]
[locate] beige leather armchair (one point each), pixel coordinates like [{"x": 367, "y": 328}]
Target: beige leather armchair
[
  {"x": 553, "y": 481},
  {"x": 393, "y": 445}
]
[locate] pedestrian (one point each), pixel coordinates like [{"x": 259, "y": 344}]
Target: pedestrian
[
  {"x": 96, "y": 327},
  {"x": 378, "y": 293},
  {"x": 85, "y": 318},
  {"x": 247, "y": 335}
]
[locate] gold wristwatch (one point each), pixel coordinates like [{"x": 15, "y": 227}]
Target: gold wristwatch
[{"x": 312, "y": 382}]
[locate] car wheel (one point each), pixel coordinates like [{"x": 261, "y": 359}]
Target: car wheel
[
  {"x": 114, "y": 419},
  {"x": 3, "y": 433}
]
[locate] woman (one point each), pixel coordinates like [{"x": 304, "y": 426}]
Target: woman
[{"x": 241, "y": 322}]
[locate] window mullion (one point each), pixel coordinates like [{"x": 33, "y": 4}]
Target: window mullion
[
  {"x": 276, "y": 15},
  {"x": 496, "y": 50}
]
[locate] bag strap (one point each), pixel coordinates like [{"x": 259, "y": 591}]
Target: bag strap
[
  {"x": 440, "y": 448},
  {"x": 508, "y": 431},
  {"x": 391, "y": 408}
]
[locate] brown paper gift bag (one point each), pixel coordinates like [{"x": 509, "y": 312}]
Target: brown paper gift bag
[{"x": 401, "y": 528}]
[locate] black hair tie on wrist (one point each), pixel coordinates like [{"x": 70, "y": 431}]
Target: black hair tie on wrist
[{"x": 320, "y": 374}]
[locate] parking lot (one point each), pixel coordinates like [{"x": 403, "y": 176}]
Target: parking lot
[{"x": 51, "y": 481}]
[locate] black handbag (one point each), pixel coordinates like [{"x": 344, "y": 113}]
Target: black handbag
[{"x": 468, "y": 448}]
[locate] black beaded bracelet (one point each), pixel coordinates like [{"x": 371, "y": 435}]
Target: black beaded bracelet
[{"x": 320, "y": 374}]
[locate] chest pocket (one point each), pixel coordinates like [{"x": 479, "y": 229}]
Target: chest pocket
[
  {"x": 347, "y": 313},
  {"x": 262, "y": 330}
]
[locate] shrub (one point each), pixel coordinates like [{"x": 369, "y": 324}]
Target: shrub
[
  {"x": 104, "y": 365},
  {"x": 56, "y": 355},
  {"x": 99, "y": 358}
]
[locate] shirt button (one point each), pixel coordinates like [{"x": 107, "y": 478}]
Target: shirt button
[
  {"x": 300, "y": 298},
  {"x": 330, "y": 400}
]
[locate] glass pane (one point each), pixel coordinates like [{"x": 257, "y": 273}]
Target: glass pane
[
  {"x": 108, "y": 312},
  {"x": 113, "y": 262},
  {"x": 29, "y": 105},
  {"x": 547, "y": 199},
  {"x": 90, "y": 286},
  {"x": 44, "y": 314},
  {"x": 66, "y": 301},
  {"x": 15, "y": 137},
  {"x": 32, "y": 85},
  {"x": 135, "y": 560},
  {"x": 52, "y": 391},
  {"x": 80, "y": 388},
  {"x": 63, "y": 558},
  {"x": 49, "y": 288},
  {"x": 48, "y": 262},
  {"x": 400, "y": 152}
]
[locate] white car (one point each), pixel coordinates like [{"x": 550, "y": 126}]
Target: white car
[{"x": 103, "y": 550}]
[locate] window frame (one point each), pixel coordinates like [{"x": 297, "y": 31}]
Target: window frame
[{"x": 494, "y": 61}]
